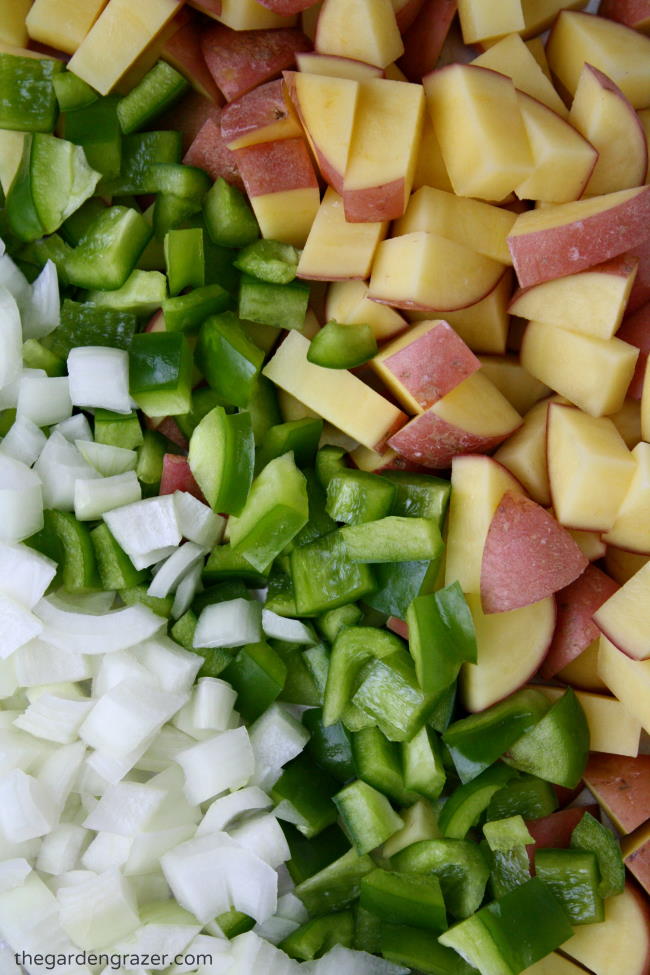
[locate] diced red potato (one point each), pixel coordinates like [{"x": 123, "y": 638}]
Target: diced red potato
[
  {"x": 208, "y": 151},
  {"x": 156, "y": 323},
  {"x": 527, "y": 556},
  {"x": 425, "y": 37},
  {"x": 189, "y": 115},
  {"x": 575, "y": 629},
  {"x": 398, "y": 626},
  {"x": 433, "y": 442},
  {"x": 168, "y": 427},
  {"x": 286, "y": 8},
  {"x": 261, "y": 115},
  {"x": 554, "y": 831},
  {"x": 636, "y": 330},
  {"x": 640, "y": 293},
  {"x": 177, "y": 476},
  {"x": 210, "y": 7},
  {"x": 636, "y": 855},
  {"x": 632, "y": 13},
  {"x": 273, "y": 167},
  {"x": 183, "y": 51},
  {"x": 405, "y": 12},
  {"x": 240, "y": 60},
  {"x": 621, "y": 784}
]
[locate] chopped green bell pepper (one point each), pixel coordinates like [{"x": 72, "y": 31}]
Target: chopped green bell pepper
[
  {"x": 368, "y": 816},
  {"x": 27, "y": 97},
  {"x": 459, "y": 865},
  {"x": 282, "y": 305},
  {"x": 591, "y": 835},
  {"x": 221, "y": 457},
  {"x": 468, "y": 801},
  {"x": 228, "y": 216},
  {"x": 258, "y": 674},
  {"x": 393, "y": 539},
  {"x": 557, "y": 747},
  {"x": 336, "y": 885},
  {"x": 160, "y": 372},
  {"x": 157, "y": 91},
  {"x": 316, "y": 937},
  {"x": 269, "y": 260},
  {"x": 574, "y": 878},
  {"x": 356, "y": 497},
  {"x": 338, "y": 346},
  {"x": 441, "y": 636},
  {"x": 230, "y": 362},
  {"x": 414, "y": 899},
  {"x": 324, "y": 577}
]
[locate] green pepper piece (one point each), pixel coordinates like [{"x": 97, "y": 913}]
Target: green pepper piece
[
  {"x": 329, "y": 462},
  {"x": 443, "y": 711},
  {"x": 176, "y": 179},
  {"x": 275, "y": 510},
  {"x": 468, "y": 801},
  {"x": 269, "y": 260},
  {"x": 512, "y": 933},
  {"x": 96, "y": 128},
  {"x": 377, "y": 761},
  {"x": 459, "y": 865},
  {"x": 53, "y": 180},
  {"x": 420, "y": 950},
  {"x": 308, "y": 791},
  {"x": 234, "y": 923},
  {"x": 140, "y": 151},
  {"x": 228, "y": 216},
  {"x": 116, "y": 571},
  {"x": 506, "y": 853},
  {"x": 557, "y": 747},
  {"x": 419, "y": 495},
  {"x": 399, "y": 583},
  {"x": 109, "y": 250},
  {"x": 264, "y": 410},
  {"x": 72, "y": 92},
  {"x": 316, "y": 937},
  {"x": 203, "y": 400},
  {"x": 441, "y": 636},
  {"x": 299, "y": 436},
  {"x": 258, "y": 674},
  {"x": 389, "y": 693},
  {"x": 28, "y": 101},
  {"x": 157, "y": 91},
  {"x": 221, "y": 457},
  {"x": 160, "y": 372},
  {"x": 224, "y": 591},
  {"x": 527, "y": 796},
  {"x": 282, "y": 305},
  {"x": 574, "y": 878},
  {"x": 141, "y": 294},
  {"x": 185, "y": 313},
  {"x": 331, "y": 623},
  {"x": 150, "y": 461},
  {"x": 184, "y": 259},
  {"x": 76, "y": 225},
  {"x": 367, "y": 815},
  {"x": 479, "y": 740},
  {"x": 353, "y": 647},
  {"x": 224, "y": 564},
  {"x": 299, "y": 687},
  {"x": 230, "y": 362},
  {"x": 319, "y": 523},
  {"x": 38, "y": 356},
  {"x": 367, "y": 931},
  {"x": 309, "y": 857},
  {"x": 139, "y": 595},
  {"x": 325, "y": 578},
  {"x": 402, "y": 898},
  {"x": 591, "y": 835},
  {"x": 356, "y": 497},
  {"x": 424, "y": 770},
  {"x": 329, "y": 746},
  {"x": 118, "y": 429},
  {"x": 338, "y": 346},
  {"x": 84, "y": 324},
  {"x": 68, "y": 541},
  {"x": 393, "y": 539},
  {"x": 336, "y": 885}
]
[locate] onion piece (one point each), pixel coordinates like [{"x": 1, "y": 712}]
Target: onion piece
[
  {"x": 167, "y": 578},
  {"x": 21, "y": 501},
  {"x": 197, "y": 522},
  {"x": 226, "y": 809},
  {"x": 282, "y": 628},
  {"x": 26, "y": 809},
  {"x": 127, "y": 716},
  {"x": 41, "y": 312},
  {"x": 44, "y": 399},
  {"x": 18, "y": 625},
  {"x": 232, "y": 623},
  {"x": 24, "y": 441},
  {"x": 99, "y": 377},
  {"x": 186, "y": 590},
  {"x": 171, "y": 666},
  {"x": 213, "y": 703},
  {"x": 11, "y": 336},
  {"x": 25, "y": 574},
  {"x": 145, "y": 526},
  {"x": 59, "y": 465},
  {"x": 106, "y": 458},
  {"x": 93, "y": 498},
  {"x": 276, "y": 737},
  {"x": 95, "y": 634},
  {"x": 263, "y": 836},
  {"x": 125, "y": 809},
  {"x": 13, "y": 279},
  {"x": 222, "y": 762},
  {"x": 54, "y": 718},
  {"x": 99, "y": 910},
  {"x": 76, "y": 427},
  {"x": 106, "y": 850},
  {"x": 60, "y": 849},
  {"x": 13, "y": 873}
]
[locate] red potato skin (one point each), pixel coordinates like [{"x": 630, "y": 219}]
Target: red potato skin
[
  {"x": 640, "y": 294},
  {"x": 189, "y": 115},
  {"x": 434, "y": 364},
  {"x": 177, "y": 476},
  {"x": 400, "y": 627},
  {"x": 621, "y": 266},
  {"x": 433, "y": 443},
  {"x": 330, "y": 174},
  {"x": 286, "y": 8},
  {"x": 632, "y": 13},
  {"x": 183, "y": 51},
  {"x": 275, "y": 167},
  {"x": 241, "y": 60},
  {"x": 636, "y": 330},
  {"x": 638, "y": 863},
  {"x": 575, "y": 629},
  {"x": 621, "y": 784},
  {"x": 375, "y": 203},
  {"x": 640, "y": 152},
  {"x": 565, "y": 249},
  {"x": 425, "y": 37},
  {"x": 208, "y": 151},
  {"x": 210, "y": 7},
  {"x": 527, "y": 556},
  {"x": 257, "y": 109},
  {"x": 409, "y": 305}
]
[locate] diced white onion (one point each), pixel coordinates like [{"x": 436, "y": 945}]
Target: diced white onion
[
  {"x": 216, "y": 949},
  {"x": 54, "y": 718},
  {"x": 145, "y": 526},
  {"x": 145, "y": 559},
  {"x": 11, "y": 337},
  {"x": 106, "y": 458},
  {"x": 148, "y": 848},
  {"x": 263, "y": 836},
  {"x": 25, "y": 574},
  {"x": 222, "y": 762},
  {"x": 42, "y": 312},
  {"x": 93, "y": 498},
  {"x": 99, "y": 377},
  {"x": 98, "y": 911},
  {"x": 24, "y": 441},
  {"x": 158, "y": 942},
  {"x": 15, "y": 282},
  {"x": 17, "y": 625},
  {"x": 61, "y": 848},
  {"x": 59, "y": 465},
  {"x": 282, "y": 628},
  {"x": 75, "y": 428},
  {"x": 347, "y": 961},
  {"x": 21, "y": 501},
  {"x": 276, "y": 737},
  {"x": 197, "y": 522},
  {"x": 163, "y": 749},
  {"x": 44, "y": 399},
  {"x": 213, "y": 703},
  {"x": 171, "y": 666},
  {"x": 174, "y": 568},
  {"x": 232, "y": 623},
  {"x": 93, "y": 634},
  {"x": 26, "y": 810},
  {"x": 106, "y": 850},
  {"x": 13, "y": 873},
  {"x": 226, "y": 809},
  {"x": 125, "y": 809},
  {"x": 186, "y": 590},
  {"x": 127, "y": 716},
  {"x": 59, "y": 772},
  {"x": 252, "y": 954},
  {"x": 39, "y": 662}
]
